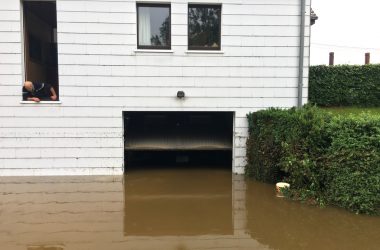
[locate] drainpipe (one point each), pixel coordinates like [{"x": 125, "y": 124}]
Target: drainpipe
[{"x": 301, "y": 53}]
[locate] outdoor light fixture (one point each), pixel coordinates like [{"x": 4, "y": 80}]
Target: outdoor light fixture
[
  {"x": 180, "y": 94},
  {"x": 313, "y": 17}
]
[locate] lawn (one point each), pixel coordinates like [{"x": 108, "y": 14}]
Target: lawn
[{"x": 353, "y": 110}]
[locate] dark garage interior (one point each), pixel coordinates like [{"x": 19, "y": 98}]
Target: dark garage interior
[{"x": 178, "y": 139}]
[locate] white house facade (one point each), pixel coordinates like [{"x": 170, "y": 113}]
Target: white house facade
[{"x": 109, "y": 60}]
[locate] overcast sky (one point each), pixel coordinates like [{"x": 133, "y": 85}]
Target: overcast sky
[{"x": 350, "y": 28}]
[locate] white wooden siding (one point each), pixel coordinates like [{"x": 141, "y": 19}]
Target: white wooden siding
[{"x": 101, "y": 75}]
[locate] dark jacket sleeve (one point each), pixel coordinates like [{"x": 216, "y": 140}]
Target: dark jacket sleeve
[
  {"x": 47, "y": 90},
  {"x": 25, "y": 94},
  {"x": 47, "y": 86}
]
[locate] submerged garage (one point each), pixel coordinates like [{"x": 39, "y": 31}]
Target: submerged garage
[{"x": 178, "y": 139}]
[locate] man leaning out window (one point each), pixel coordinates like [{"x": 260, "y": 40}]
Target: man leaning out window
[{"x": 38, "y": 91}]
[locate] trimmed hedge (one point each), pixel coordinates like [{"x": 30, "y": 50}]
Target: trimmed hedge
[
  {"x": 353, "y": 161},
  {"x": 345, "y": 85},
  {"x": 326, "y": 159}
]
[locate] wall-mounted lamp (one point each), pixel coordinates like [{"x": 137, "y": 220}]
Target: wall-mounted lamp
[{"x": 180, "y": 94}]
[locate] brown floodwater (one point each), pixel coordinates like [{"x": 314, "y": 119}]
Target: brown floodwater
[{"x": 169, "y": 209}]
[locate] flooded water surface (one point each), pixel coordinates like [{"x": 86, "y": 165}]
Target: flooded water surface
[{"x": 169, "y": 209}]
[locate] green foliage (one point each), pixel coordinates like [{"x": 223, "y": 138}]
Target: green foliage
[
  {"x": 353, "y": 110},
  {"x": 353, "y": 163},
  {"x": 280, "y": 143},
  {"x": 326, "y": 159},
  {"x": 345, "y": 85},
  {"x": 267, "y": 131}
]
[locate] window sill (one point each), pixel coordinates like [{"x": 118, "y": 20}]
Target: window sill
[
  {"x": 41, "y": 102},
  {"x": 216, "y": 52},
  {"x": 158, "y": 51}
]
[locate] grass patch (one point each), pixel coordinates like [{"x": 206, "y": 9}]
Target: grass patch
[{"x": 352, "y": 110}]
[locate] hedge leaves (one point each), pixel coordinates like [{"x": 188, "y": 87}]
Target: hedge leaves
[
  {"x": 345, "y": 85},
  {"x": 326, "y": 159}
]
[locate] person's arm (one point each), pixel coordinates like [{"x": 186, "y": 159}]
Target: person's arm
[
  {"x": 35, "y": 99},
  {"x": 53, "y": 96},
  {"x": 26, "y": 96}
]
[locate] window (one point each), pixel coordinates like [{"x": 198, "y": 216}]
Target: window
[
  {"x": 153, "y": 26},
  {"x": 40, "y": 49},
  {"x": 204, "y": 27}
]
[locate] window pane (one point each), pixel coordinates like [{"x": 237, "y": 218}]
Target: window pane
[
  {"x": 41, "y": 53},
  {"x": 154, "y": 26},
  {"x": 204, "y": 27}
]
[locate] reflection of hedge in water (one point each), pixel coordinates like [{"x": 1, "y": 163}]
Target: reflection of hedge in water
[
  {"x": 283, "y": 224},
  {"x": 326, "y": 159},
  {"x": 345, "y": 85}
]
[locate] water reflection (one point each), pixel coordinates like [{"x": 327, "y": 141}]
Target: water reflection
[
  {"x": 204, "y": 26},
  {"x": 283, "y": 224},
  {"x": 163, "y": 202},
  {"x": 169, "y": 209},
  {"x": 45, "y": 248},
  {"x": 153, "y": 25}
]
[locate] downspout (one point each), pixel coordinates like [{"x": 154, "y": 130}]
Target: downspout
[{"x": 301, "y": 53}]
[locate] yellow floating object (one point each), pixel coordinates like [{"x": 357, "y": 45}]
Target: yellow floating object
[{"x": 279, "y": 186}]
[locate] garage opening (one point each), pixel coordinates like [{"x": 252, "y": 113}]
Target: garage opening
[
  {"x": 40, "y": 42},
  {"x": 178, "y": 139}
]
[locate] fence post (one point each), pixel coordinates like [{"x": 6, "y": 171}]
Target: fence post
[
  {"x": 331, "y": 58},
  {"x": 367, "y": 58}
]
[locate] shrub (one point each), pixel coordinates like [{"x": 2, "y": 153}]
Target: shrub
[
  {"x": 266, "y": 129},
  {"x": 324, "y": 158},
  {"x": 353, "y": 163},
  {"x": 345, "y": 85},
  {"x": 302, "y": 154},
  {"x": 280, "y": 143}
]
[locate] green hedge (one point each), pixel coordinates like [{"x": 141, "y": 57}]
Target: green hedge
[
  {"x": 345, "y": 85},
  {"x": 326, "y": 159}
]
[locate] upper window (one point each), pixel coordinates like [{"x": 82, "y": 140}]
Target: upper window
[
  {"x": 153, "y": 26},
  {"x": 204, "y": 27}
]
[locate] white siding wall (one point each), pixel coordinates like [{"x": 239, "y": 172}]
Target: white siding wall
[{"x": 101, "y": 75}]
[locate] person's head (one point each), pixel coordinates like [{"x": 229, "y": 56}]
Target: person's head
[{"x": 28, "y": 86}]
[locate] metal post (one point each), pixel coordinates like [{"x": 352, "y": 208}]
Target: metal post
[
  {"x": 331, "y": 58},
  {"x": 301, "y": 53},
  {"x": 367, "y": 58}
]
